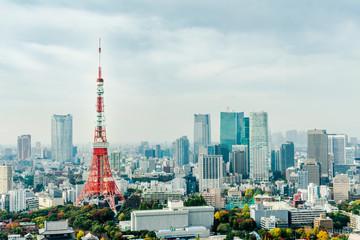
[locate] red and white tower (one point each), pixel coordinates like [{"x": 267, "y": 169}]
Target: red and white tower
[{"x": 100, "y": 181}]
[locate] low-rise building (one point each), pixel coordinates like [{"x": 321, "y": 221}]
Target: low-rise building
[
  {"x": 46, "y": 201},
  {"x": 279, "y": 210},
  {"x": 133, "y": 201},
  {"x": 56, "y": 230},
  {"x": 324, "y": 221},
  {"x": 173, "y": 217},
  {"x": 187, "y": 232},
  {"x": 150, "y": 196},
  {"x": 272, "y": 222},
  {"x": 304, "y": 217},
  {"x": 213, "y": 197},
  {"x": 355, "y": 222}
]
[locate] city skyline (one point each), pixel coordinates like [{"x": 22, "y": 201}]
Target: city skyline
[{"x": 164, "y": 63}]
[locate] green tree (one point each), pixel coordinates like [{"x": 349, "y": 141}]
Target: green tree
[
  {"x": 151, "y": 234},
  {"x": 276, "y": 232},
  {"x": 143, "y": 206},
  {"x": 223, "y": 228},
  {"x": 245, "y": 209},
  {"x": 230, "y": 236},
  {"x": 155, "y": 206},
  {"x": 97, "y": 227},
  {"x": 249, "y": 192}
]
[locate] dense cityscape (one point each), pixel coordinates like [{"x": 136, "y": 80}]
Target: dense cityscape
[
  {"x": 249, "y": 185},
  {"x": 140, "y": 120}
]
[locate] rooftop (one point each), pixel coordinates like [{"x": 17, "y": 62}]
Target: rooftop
[{"x": 56, "y": 227}]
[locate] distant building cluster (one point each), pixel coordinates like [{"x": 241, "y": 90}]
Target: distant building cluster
[{"x": 296, "y": 176}]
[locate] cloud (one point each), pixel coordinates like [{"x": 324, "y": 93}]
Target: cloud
[{"x": 164, "y": 61}]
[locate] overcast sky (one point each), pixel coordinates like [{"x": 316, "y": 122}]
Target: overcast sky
[{"x": 165, "y": 60}]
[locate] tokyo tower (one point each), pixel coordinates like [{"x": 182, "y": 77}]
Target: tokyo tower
[{"x": 100, "y": 181}]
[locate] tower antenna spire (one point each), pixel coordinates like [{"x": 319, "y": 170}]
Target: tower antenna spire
[
  {"x": 100, "y": 181},
  {"x": 99, "y": 57}
]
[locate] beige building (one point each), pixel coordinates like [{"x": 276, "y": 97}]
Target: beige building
[
  {"x": 6, "y": 178},
  {"x": 354, "y": 222},
  {"x": 46, "y": 202},
  {"x": 324, "y": 221},
  {"x": 213, "y": 197},
  {"x": 341, "y": 187}
]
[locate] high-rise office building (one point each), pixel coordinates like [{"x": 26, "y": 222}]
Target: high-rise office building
[
  {"x": 245, "y": 132},
  {"x": 240, "y": 159},
  {"x": 259, "y": 146},
  {"x": 245, "y": 138},
  {"x": 313, "y": 192},
  {"x": 231, "y": 124},
  {"x": 210, "y": 172},
  {"x": 336, "y": 146},
  {"x": 61, "y": 138},
  {"x": 181, "y": 151},
  {"x": 17, "y": 200},
  {"x": 115, "y": 160},
  {"x": 350, "y": 155},
  {"x": 341, "y": 187},
  {"x": 318, "y": 150},
  {"x": 6, "y": 178},
  {"x": 24, "y": 147},
  {"x": 202, "y": 131},
  {"x": 313, "y": 168},
  {"x": 303, "y": 178},
  {"x": 287, "y": 156},
  {"x": 158, "y": 153},
  {"x": 275, "y": 160}
]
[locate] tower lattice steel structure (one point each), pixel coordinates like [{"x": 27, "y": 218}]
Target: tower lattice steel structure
[{"x": 100, "y": 181}]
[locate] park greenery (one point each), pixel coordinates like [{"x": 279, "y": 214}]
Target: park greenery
[
  {"x": 232, "y": 223},
  {"x": 99, "y": 221},
  {"x": 195, "y": 200}
]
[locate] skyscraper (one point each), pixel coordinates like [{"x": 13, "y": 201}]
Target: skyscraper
[
  {"x": 61, "y": 138},
  {"x": 303, "y": 178},
  {"x": 318, "y": 150},
  {"x": 202, "y": 137},
  {"x": 6, "y": 178},
  {"x": 287, "y": 156},
  {"x": 210, "y": 172},
  {"x": 245, "y": 132},
  {"x": 240, "y": 159},
  {"x": 313, "y": 168},
  {"x": 115, "y": 160},
  {"x": 181, "y": 151},
  {"x": 275, "y": 160},
  {"x": 341, "y": 187},
  {"x": 231, "y": 124},
  {"x": 259, "y": 146},
  {"x": 336, "y": 146},
  {"x": 24, "y": 147}
]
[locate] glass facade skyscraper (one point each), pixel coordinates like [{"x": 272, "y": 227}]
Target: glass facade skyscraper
[
  {"x": 202, "y": 131},
  {"x": 259, "y": 146},
  {"x": 231, "y": 124},
  {"x": 181, "y": 151},
  {"x": 61, "y": 138},
  {"x": 245, "y": 132},
  {"x": 287, "y": 156},
  {"x": 336, "y": 146}
]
